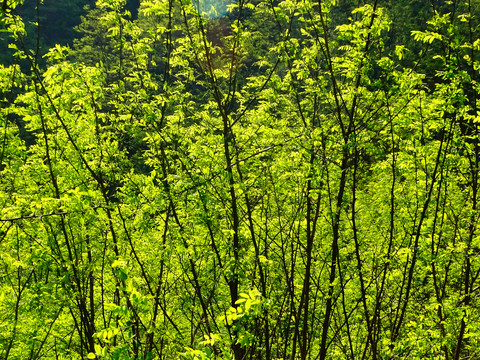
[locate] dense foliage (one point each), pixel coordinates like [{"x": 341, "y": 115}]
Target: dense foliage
[{"x": 293, "y": 180}]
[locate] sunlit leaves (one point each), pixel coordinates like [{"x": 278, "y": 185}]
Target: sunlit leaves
[{"x": 179, "y": 191}]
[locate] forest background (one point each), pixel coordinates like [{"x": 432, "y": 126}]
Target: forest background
[{"x": 270, "y": 179}]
